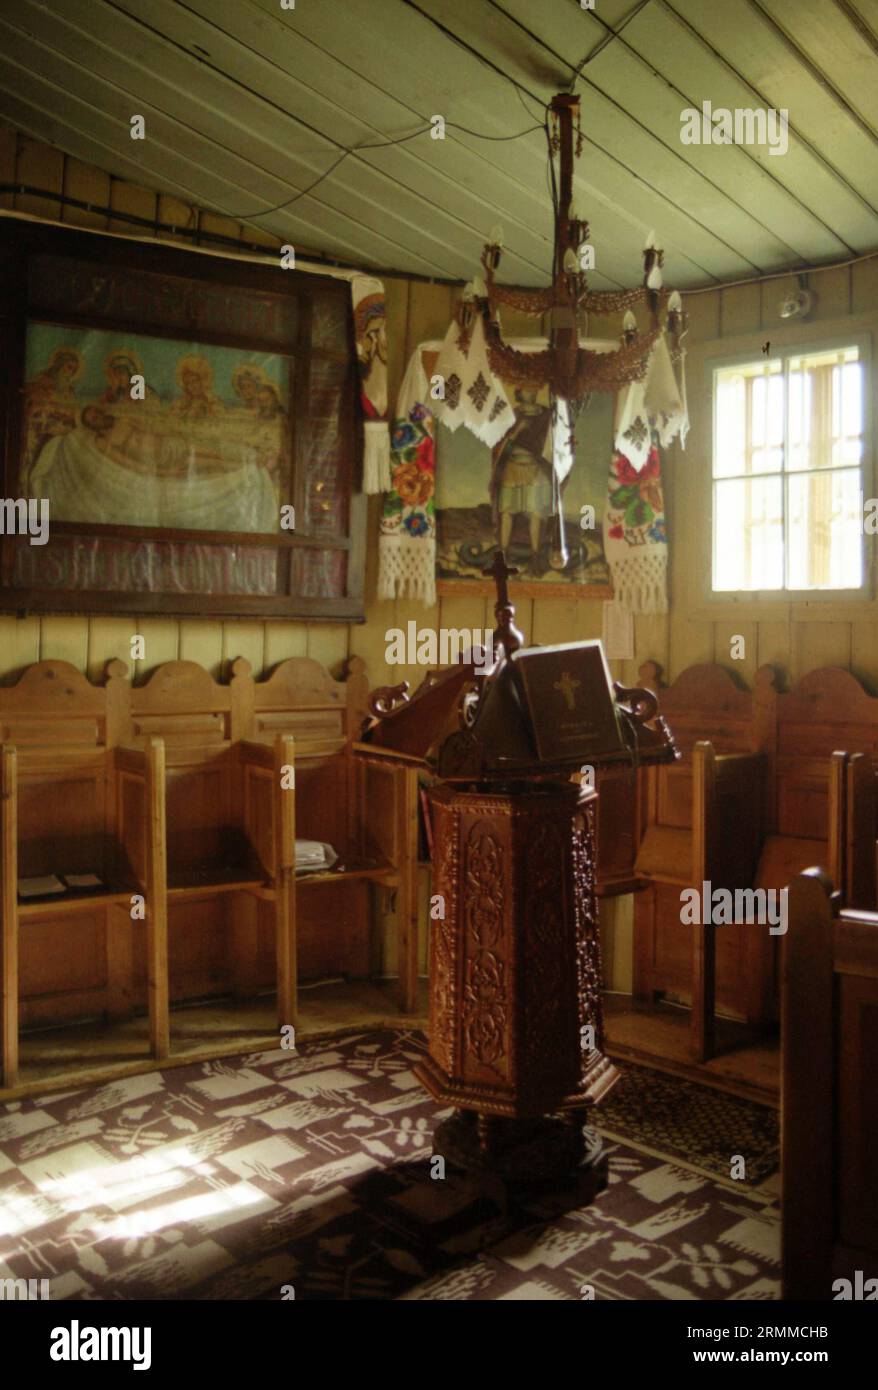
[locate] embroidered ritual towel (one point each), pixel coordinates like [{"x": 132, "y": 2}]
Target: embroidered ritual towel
[
  {"x": 370, "y": 321},
  {"x": 407, "y": 539},
  {"x": 635, "y": 535},
  {"x": 474, "y": 396},
  {"x": 656, "y": 403}
]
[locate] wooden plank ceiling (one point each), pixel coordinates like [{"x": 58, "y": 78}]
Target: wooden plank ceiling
[{"x": 247, "y": 105}]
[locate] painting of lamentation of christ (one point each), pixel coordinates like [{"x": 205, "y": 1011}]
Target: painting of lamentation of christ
[
  {"x": 153, "y": 432},
  {"x": 503, "y": 496}
]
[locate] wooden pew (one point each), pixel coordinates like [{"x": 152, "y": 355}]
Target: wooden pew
[
  {"x": 333, "y": 909},
  {"x": 808, "y": 798},
  {"x": 686, "y": 811},
  {"x": 229, "y": 838},
  {"x": 827, "y": 710},
  {"x": 829, "y": 1115},
  {"x": 73, "y": 802}
]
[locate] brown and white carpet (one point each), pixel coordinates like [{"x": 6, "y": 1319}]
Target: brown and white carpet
[{"x": 309, "y": 1171}]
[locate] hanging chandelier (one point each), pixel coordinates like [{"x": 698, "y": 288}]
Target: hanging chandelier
[{"x": 572, "y": 372}]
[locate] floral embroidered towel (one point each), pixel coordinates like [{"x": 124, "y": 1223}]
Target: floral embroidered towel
[
  {"x": 635, "y": 536},
  {"x": 407, "y": 540}
]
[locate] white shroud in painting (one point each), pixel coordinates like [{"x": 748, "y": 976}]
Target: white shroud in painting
[{"x": 165, "y": 480}]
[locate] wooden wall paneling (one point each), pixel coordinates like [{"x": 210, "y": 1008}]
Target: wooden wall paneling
[
  {"x": 864, "y": 652},
  {"x": 554, "y": 621},
  {"x": 820, "y": 643},
  {"x": 397, "y": 301},
  {"x": 427, "y": 620},
  {"x": 833, "y": 297},
  {"x": 774, "y": 643},
  {"x": 201, "y": 641},
  {"x": 691, "y": 644},
  {"x": 368, "y": 640},
  {"x": 8, "y": 152},
  {"x": 175, "y": 213},
  {"x": 429, "y": 314},
  {"x": 64, "y": 639},
  {"x": 130, "y": 198},
  {"x": 741, "y": 310},
  {"x": 8, "y": 916},
  {"x": 40, "y": 166},
  {"x": 651, "y": 640},
  {"x": 19, "y": 645},
  {"x": 744, "y": 667},
  {"x": 158, "y": 991},
  {"x": 702, "y": 309},
  {"x": 589, "y": 621},
  {"x": 283, "y": 640},
  {"x": 328, "y": 644},
  {"x": 213, "y": 223},
  {"x": 161, "y": 643},
  {"x": 246, "y": 639},
  {"x": 109, "y": 639},
  {"x": 864, "y": 286},
  {"x": 91, "y": 185}
]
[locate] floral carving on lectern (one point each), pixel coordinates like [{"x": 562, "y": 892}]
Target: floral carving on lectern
[{"x": 485, "y": 1001}]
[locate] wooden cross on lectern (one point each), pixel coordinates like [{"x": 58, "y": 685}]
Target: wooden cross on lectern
[
  {"x": 500, "y": 572},
  {"x": 505, "y": 633}
]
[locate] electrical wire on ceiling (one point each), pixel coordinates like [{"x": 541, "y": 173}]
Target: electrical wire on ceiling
[{"x": 358, "y": 149}]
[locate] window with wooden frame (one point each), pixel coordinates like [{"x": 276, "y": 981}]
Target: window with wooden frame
[
  {"x": 190, "y": 424},
  {"x": 789, "y": 454}
]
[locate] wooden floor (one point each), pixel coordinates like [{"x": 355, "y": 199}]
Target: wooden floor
[
  {"x": 658, "y": 1036},
  {"x": 79, "y": 1055}
]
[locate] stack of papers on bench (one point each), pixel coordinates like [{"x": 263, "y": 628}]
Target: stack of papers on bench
[{"x": 314, "y": 855}]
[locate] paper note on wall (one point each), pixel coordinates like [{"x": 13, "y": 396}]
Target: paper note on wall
[{"x": 618, "y": 632}]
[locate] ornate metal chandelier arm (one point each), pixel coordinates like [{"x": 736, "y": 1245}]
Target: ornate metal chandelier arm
[
  {"x": 614, "y": 301},
  {"x": 533, "y": 302},
  {"x": 612, "y": 371},
  {"x": 520, "y": 368}
]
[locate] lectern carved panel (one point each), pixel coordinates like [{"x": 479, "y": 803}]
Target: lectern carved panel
[
  {"x": 444, "y": 939},
  {"x": 546, "y": 931},
  {"x": 486, "y": 989}
]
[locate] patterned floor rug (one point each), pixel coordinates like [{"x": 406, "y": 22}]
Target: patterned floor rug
[
  {"x": 251, "y": 1177},
  {"x": 694, "y": 1123}
]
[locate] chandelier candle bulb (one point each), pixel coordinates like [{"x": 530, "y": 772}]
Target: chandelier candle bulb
[
  {"x": 654, "y": 278},
  {"x": 497, "y": 236},
  {"x": 675, "y": 303},
  {"x": 480, "y": 289},
  {"x": 649, "y": 244}
]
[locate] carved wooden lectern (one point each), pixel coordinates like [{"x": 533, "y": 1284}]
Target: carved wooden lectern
[{"x": 515, "y": 1009}]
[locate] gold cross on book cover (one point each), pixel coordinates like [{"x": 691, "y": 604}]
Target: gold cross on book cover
[{"x": 568, "y": 692}]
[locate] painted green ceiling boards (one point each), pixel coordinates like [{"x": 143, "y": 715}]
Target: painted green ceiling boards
[{"x": 247, "y": 104}]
